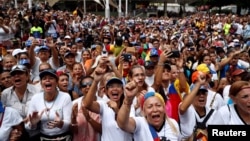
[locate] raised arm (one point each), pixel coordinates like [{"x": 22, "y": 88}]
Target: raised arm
[
  {"x": 54, "y": 52},
  {"x": 226, "y": 61},
  {"x": 125, "y": 122},
  {"x": 159, "y": 69},
  {"x": 88, "y": 101},
  {"x": 32, "y": 55},
  {"x": 188, "y": 100},
  {"x": 114, "y": 69},
  {"x": 182, "y": 77}
]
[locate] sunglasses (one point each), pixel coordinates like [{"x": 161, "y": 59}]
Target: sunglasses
[{"x": 85, "y": 84}]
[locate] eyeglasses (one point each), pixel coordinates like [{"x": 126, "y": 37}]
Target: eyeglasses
[{"x": 85, "y": 84}]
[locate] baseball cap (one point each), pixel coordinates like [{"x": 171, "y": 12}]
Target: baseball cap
[
  {"x": 202, "y": 88},
  {"x": 114, "y": 80},
  {"x": 154, "y": 52},
  {"x": 45, "y": 48},
  {"x": 67, "y": 37},
  {"x": 238, "y": 72},
  {"x": 18, "y": 68},
  {"x": 68, "y": 53},
  {"x": 50, "y": 72},
  {"x": 78, "y": 40},
  {"x": 148, "y": 64},
  {"x": 18, "y": 51}
]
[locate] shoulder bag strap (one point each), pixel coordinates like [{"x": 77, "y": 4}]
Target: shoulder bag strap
[
  {"x": 208, "y": 116},
  {"x": 212, "y": 102}
]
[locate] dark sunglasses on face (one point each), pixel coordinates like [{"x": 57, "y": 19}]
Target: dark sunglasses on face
[{"x": 85, "y": 84}]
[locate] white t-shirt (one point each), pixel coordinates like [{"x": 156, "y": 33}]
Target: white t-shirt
[
  {"x": 62, "y": 105},
  {"x": 217, "y": 102},
  {"x": 188, "y": 120},
  {"x": 110, "y": 129},
  {"x": 150, "y": 80},
  {"x": 229, "y": 117},
  {"x": 52, "y": 27},
  {"x": 3, "y": 35},
  {"x": 11, "y": 118},
  {"x": 226, "y": 93},
  {"x": 142, "y": 131}
]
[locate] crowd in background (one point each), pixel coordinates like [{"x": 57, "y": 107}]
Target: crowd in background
[{"x": 69, "y": 76}]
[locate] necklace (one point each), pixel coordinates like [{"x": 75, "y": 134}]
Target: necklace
[{"x": 47, "y": 110}]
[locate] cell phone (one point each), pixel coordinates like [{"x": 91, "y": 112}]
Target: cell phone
[
  {"x": 175, "y": 54},
  {"x": 104, "y": 53},
  {"x": 127, "y": 57},
  {"x": 42, "y": 42},
  {"x": 191, "y": 49}
]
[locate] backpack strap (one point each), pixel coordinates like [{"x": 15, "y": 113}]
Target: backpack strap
[
  {"x": 201, "y": 124},
  {"x": 208, "y": 116}
]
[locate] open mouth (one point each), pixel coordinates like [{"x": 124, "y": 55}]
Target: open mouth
[
  {"x": 201, "y": 100},
  {"x": 115, "y": 95},
  {"x": 48, "y": 86},
  {"x": 156, "y": 117},
  {"x": 17, "y": 80}
]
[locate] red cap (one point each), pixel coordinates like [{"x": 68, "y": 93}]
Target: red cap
[{"x": 238, "y": 72}]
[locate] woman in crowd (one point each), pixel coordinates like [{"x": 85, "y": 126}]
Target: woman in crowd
[
  {"x": 19, "y": 95},
  {"x": 154, "y": 125},
  {"x": 137, "y": 73},
  {"x": 101, "y": 88},
  {"x": 8, "y": 62},
  {"x": 63, "y": 82},
  {"x": 77, "y": 73},
  {"x": 4, "y": 30},
  {"x": 86, "y": 55},
  {"x": 50, "y": 111},
  {"x": 193, "y": 110},
  {"x": 238, "y": 112},
  {"x": 85, "y": 124},
  {"x": 107, "y": 110}
]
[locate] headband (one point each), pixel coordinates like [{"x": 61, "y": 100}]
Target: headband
[{"x": 151, "y": 94}]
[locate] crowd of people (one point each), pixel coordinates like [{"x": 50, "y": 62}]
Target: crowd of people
[{"x": 67, "y": 76}]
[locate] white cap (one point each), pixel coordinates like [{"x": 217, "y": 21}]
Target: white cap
[
  {"x": 67, "y": 37},
  {"x": 18, "y": 51},
  {"x": 236, "y": 40}
]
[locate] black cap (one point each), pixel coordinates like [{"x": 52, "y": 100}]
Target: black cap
[
  {"x": 68, "y": 53},
  {"x": 50, "y": 72}
]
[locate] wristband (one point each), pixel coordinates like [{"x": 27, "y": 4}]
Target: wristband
[{"x": 125, "y": 102}]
